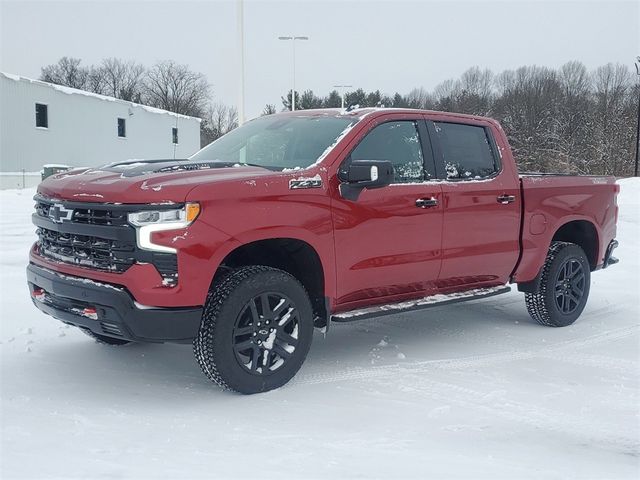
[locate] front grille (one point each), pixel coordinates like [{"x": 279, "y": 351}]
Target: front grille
[
  {"x": 86, "y": 251},
  {"x": 87, "y": 246},
  {"x": 89, "y": 216}
]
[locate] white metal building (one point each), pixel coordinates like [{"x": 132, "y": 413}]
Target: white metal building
[{"x": 42, "y": 123}]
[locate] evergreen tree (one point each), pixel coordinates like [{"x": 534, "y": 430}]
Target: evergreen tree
[
  {"x": 333, "y": 100},
  {"x": 269, "y": 109}
]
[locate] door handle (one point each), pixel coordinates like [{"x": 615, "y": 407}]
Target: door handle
[
  {"x": 504, "y": 198},
  {"x": 427, "y": 202}
]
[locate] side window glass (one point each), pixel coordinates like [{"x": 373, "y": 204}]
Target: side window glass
[
  {"x": 466, "y": 150},
  {"x": 397, "y": 142}
]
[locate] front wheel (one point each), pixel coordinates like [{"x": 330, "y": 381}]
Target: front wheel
[
  {"x": 563, "y": 287},
  {"x": 256, "y": 330}
]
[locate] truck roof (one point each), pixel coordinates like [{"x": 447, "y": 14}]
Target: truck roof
[{"x": 369, "y": 111}]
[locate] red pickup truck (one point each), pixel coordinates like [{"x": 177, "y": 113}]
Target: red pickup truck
[{"x": 298, "y": 219}]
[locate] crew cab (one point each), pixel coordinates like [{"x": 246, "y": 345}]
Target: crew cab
[{"x": 300, "y": 219}]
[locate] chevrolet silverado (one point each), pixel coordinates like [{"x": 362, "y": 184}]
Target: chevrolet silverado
[{"x": 300, "y": 219}]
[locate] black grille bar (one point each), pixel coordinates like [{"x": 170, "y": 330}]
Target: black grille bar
[{"x": 86, "y": 251}]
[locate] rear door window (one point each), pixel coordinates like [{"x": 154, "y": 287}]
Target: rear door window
[{"x": 466, "y": 150}]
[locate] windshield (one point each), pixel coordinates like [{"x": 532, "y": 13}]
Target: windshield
[{"x": 277, "y": 142}]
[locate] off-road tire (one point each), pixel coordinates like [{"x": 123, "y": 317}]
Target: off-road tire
[
  {"x": 105, "y": 340},
  {"x": 214, "y": 345},
  {"x": 542, "y": 304}
]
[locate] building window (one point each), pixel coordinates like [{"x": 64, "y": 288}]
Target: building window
[
  {"x": 174, "y": 135},
  {"x": 42, "y": 115},
  {"x": 122, "y": 128}
]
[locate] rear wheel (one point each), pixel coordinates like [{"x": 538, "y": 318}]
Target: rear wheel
[
  {"x": 256, "y": 330},
  {"x": 563, "y": 287}
]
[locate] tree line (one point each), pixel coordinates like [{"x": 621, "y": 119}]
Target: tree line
[
  {"x": 567, "y": 120},
  {"x": 166, "y": 85}
]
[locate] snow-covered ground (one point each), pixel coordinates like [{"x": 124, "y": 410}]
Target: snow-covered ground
[{"x": 473, "y": 390}]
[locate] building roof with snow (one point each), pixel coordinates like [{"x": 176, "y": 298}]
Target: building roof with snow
[{"x": 42, "y": 123}]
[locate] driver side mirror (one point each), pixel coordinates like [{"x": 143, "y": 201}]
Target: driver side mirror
[{"x": 360, "y": 174}]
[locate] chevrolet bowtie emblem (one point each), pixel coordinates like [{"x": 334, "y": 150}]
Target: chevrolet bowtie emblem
[{"x": 58, "y": 213}]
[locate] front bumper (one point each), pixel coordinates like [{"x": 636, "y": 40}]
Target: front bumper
[{"x": 108, "y": 309}]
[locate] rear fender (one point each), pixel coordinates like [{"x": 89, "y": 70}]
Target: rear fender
[{"x": 536, "y": 247}]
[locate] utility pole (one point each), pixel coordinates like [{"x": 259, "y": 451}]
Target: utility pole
[
  {"x": 293, "y": 89},
  {"x": 342, "y": 91},
  {"x": 635, "y": 171},
  {"x": 240, "y": 18}
]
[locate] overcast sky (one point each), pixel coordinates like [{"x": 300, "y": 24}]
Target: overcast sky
[{"x": 390, "y": 45}]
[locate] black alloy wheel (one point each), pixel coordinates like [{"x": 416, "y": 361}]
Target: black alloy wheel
[
  {"x": 256, "y": 329},
  {"x": 570, "y": 286},
  {"x": 266, "y": 333},
  {"x": 562, "y": 287}
]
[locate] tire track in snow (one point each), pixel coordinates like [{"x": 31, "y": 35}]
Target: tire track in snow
[
  {"x": 584, "y": 430},
  {"x": 552, "y": 351},
  {"x": 596, "y": 361},
  {"x": 444, "y": 329}
]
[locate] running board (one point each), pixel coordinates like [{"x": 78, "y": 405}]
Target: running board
[{"x": 419, "y": 304}]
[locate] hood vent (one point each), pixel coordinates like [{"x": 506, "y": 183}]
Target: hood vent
[{"x": 135, "y": 168}]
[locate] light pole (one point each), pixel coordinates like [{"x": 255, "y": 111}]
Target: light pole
[
  {"x": 293, "y": 90},
  {"x": 635, "y": 171},
  {"x": 342, "y": 92},
  {"x": 240, "y": 18}
]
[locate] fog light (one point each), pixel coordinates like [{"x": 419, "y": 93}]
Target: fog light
[
  {"x": 38, "y": 294},
  {"x": 90, "y": 312}
]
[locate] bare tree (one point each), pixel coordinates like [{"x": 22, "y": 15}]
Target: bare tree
[
  {"x": 174, "y": 87},
  {"x": 66, "y": 72},
  {"x": 574, "y": 137},
  {"x": 419, "y": 98},
  {"x": 527, "y": 103},
  {"x": 95, "y": 81},
  {"x": 218, "y": 120},
  {"x": 445, "y": 89},
  {"x": 477, "y": 82},
  {"x": 612, "y": 119},
  {"x": 119, "y": 79}
]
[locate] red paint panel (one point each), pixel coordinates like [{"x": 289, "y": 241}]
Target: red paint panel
[
  {"x": 385, "y": 245},
  {"x": 480, "y": 236}
]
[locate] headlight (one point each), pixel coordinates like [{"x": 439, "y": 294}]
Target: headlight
[
  {"x": 186, "y": 214},
  {"x": 150, "y": 221}
]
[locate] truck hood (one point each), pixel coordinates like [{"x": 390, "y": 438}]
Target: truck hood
[{"x": 143, "y": 181}]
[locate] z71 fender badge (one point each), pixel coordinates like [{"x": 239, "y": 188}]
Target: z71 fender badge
[{"x": 311, "y": 182}]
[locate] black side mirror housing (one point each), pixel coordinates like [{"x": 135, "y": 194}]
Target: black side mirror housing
[{"x": 360, "y": 174}]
